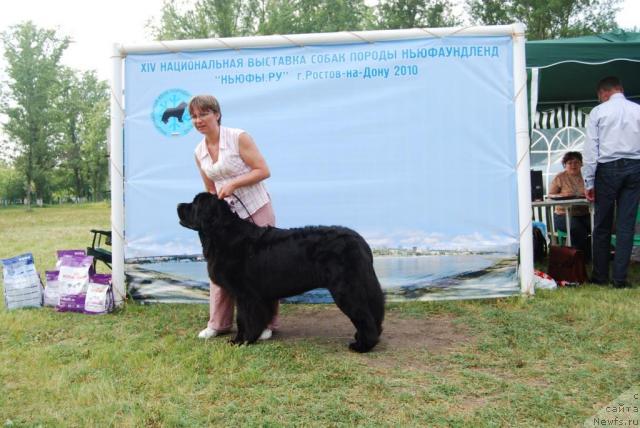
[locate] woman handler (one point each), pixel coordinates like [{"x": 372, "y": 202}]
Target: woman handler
[{"x": 230, "y": 164}]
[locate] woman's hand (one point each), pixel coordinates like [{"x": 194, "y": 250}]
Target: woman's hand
[
  {"x": 227, "y": 190},
  {"x": 251, "y": 156}
]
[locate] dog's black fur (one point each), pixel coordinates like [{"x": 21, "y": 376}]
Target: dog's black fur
[{"x": 259, "y": 265}]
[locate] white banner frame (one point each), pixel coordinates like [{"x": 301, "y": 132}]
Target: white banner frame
[{"x": 516, "y": 31}]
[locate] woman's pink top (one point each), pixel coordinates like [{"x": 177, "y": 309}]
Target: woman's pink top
[{"x": 229, "y": 166}]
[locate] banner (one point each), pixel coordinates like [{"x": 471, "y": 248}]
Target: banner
[{"x": 411, "y": 143}]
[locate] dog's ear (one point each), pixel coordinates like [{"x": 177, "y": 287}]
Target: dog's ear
[
  {"x": 223, "y": 210},
  {"x": 210, "y": 211}
]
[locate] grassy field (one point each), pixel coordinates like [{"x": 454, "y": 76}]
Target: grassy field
[{"x": 552, "y": 360}]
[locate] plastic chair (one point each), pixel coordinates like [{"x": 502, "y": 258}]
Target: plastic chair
[
  {"x": 562, "y": 237},
  {"x": 97, "y": 250},
  {"x": 636, "y": 237}
]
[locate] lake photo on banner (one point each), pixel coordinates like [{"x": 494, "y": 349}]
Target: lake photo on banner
[{"x": 423, "y": 277}]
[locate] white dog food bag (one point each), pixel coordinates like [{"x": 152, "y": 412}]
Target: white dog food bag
[
  {"x": 99, "y": 298},
  {"x": 53, "y": 289},
  {"x": 74, "y": 274},
  {"x": 22, "y": 285}
]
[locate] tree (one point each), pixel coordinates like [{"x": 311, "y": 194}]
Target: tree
[
  {"x": 314, "y": 16},
  {"x": 83, "y": 110},
  {"x": 69, "y": 168},
  {"x": 33, "y": 59},
  {"x": 207, "y": 19},
  {"x": 226, "y": 18},
  {"x": 416, "y": 13},
  {"x": 11, "y": 185},
  {"x": 548, "y": 19},
  {"x": 93, "y": 132}
]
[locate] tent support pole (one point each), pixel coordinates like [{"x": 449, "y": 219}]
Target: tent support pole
[
  {"x": 523, "y": 165},
  {"x": 117, "y": 178}
]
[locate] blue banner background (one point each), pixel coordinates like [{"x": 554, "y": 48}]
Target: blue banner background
[{"x": 416, "y": 149}]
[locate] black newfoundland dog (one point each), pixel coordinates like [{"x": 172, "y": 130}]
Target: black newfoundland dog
[{"x": 259, "y": 265}]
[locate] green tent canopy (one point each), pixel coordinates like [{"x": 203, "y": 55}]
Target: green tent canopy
[
  {"x": 566, "y": 71},
  {"x": 562, "y": 79}
]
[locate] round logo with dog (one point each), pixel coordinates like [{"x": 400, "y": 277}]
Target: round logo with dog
[{"x": 170, "y": 113}]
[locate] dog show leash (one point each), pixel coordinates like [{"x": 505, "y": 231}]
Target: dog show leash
[{"x": 244, "y": 206}]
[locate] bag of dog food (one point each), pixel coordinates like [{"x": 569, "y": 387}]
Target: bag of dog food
[
  {"x": 73, "y": 253},
  {"x": 22, "y": 285},
  {"x": 74, "y": 274},
  {"x": 99, "y": 298},
  {"x": 53, "y": 289},
  {"x": 71, "y": 303}
]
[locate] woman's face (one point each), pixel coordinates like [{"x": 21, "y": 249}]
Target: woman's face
[
  {"x": 573, "y": 166},
  {"x": 205, "y": 121}
]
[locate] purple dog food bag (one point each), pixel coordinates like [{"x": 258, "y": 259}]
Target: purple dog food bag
[
  {"x": 99, "y": 295},
  {"x": 74, "y": 253},
  {"x": 74, "y": 274},
  {"x": 53, "y": 288},
  {"x": 71, "y": 303}
]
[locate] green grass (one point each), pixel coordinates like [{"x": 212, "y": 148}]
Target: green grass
[
  {"x": 42, "y": 231},
  {"x": 551, "y": 360}
]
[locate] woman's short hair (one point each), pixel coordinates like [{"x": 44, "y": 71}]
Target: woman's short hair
[
  {"x": 570, "y": 156},
  {"x": 205, "y": 103}
]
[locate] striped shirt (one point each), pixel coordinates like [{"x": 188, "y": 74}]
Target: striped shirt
[
  {"x": 613, "y": 132},
  {"x": 229, "y": 166}
]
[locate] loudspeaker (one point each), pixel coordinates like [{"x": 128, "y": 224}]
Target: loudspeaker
[{"x": 537, "y": 191}]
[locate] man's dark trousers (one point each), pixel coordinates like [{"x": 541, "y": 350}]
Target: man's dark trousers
[{"x": 617, "y": 181}]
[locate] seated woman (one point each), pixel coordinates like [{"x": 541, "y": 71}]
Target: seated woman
[{"x": 570, "y": 183}]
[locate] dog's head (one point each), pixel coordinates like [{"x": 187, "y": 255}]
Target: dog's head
[{"x": 204, "y": 212}]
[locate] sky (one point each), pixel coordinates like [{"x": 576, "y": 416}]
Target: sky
[{"x": 96, "y": 25}]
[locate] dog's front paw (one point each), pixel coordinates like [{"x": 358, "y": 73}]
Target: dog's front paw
[
  {"x": 238, "y": 340},
  {"x": 360, "y": 347}
]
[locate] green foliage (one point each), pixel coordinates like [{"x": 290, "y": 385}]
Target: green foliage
[
  {"x": 57, "y": 118},
  {"x": 82, "y": 152},
  {"x": 217, "y": 18},
  {"x": 94, "y": 149},
  {"x": 33, "y": 59},
  {"x": 206, "y": 19},
  {"x": 11, "y": 184},
  {"x": 313, "y": 16},
  {"x": 416, "y": 13},
  {"x": 548, "y": 19}
]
